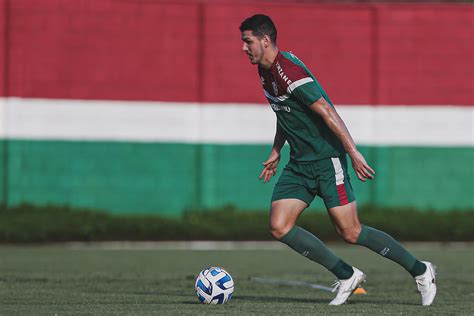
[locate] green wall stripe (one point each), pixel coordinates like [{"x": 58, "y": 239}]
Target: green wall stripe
[
  {"x": 3, "y": 171},
  {"x": 169, "y": 178},
  {"x": 121, "y": 177}
]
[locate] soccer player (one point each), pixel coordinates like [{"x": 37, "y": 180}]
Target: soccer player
[{"x": 319, "y": 142}]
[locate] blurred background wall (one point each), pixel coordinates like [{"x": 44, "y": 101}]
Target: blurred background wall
[{"x": 151, "y": 107}]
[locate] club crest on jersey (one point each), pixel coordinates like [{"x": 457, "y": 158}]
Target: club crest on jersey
[
  {"x": 275, "y": 88},
  {"x": 278, "y": 107}
]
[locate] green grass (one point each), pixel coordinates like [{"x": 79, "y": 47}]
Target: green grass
[{"x": 49, "y": 280}]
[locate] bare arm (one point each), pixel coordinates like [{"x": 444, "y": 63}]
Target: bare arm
[
  {"x": 270, "y": 166},
  {"x": 279, "y": 140},
  {"x": 336, "y": 124}
]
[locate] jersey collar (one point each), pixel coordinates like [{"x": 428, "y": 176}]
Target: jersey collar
[
  {"x": 273, "y": 66},
  {"x": 273, "y": 69}
]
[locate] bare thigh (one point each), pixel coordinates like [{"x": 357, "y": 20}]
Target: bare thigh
[
  {"x": 346, "y": 221},
  {"x": 284, "y": 214}
]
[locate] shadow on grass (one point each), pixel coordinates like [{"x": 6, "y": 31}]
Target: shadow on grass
[
  {"x": 277, "y": 299},
  {"x": 273, "y": 299},
  {"x": 270, "y": 299},
  {"x": 281, "y": 299},
  {"x": 383, "y": 302}
]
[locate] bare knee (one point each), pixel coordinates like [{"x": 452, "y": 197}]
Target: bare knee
[
  {"x": 283, "y": 216},
  {"x": 350, "y": 234},
  {"x": 279, "y": 229}
]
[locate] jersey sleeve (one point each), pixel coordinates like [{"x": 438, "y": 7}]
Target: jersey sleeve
[
  {"x": 298, "y": 82},
  {"x": 305, "y": 90}
]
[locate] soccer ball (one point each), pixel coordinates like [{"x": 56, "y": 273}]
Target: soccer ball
[{"x": 214, "y": 286}]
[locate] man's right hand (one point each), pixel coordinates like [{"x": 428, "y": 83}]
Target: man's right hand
[{"x": 270, "y": 167}]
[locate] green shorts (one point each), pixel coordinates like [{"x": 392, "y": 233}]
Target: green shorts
[{"x": 327, "y": 178}]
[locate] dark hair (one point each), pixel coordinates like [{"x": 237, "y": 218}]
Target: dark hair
[{"x": 260, "y": 25}]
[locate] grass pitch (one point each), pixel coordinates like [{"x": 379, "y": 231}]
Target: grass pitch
[{"x": 60, "y": 280}]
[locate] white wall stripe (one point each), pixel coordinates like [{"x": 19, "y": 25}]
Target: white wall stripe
[
  {"x": 222, "y": 123},
  {"x": 3, "y": 118}
]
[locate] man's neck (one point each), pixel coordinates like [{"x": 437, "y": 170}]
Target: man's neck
[{"x": 269, "y": 58}]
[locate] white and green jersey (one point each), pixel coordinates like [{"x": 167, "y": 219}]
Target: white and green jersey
[{"x": 291, "y": 88}]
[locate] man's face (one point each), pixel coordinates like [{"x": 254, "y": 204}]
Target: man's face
[{"x": 253, "y": 46}]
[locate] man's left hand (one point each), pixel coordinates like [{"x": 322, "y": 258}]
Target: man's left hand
[{"x": 361, "y": 168}]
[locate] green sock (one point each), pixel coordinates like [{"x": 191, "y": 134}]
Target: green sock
[
  {"x": 385, "y": 245},
  {"x": 314, "y": 249}
]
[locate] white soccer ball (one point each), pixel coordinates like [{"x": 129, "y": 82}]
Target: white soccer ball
[{"x": 214, "y": 286}]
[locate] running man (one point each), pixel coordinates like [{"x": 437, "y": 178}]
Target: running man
[{"x": 319, "y": 141}]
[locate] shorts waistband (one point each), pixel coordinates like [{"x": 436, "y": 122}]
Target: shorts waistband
[{"x": 294, "y": 162}]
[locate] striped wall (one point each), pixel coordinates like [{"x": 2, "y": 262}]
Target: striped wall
[{"x": 150, "y": 106}]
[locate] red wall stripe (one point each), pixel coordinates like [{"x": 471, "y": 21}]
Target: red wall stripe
[
  {"x": 3, "y": 46},
  {"x": 190, "y": 51},
  {"x": 104, "y": 50},
  {"x": 315, "y": 34},
  {"x": 426, "y": 55}
]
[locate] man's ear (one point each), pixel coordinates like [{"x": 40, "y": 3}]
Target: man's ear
[{"x": 266, "y": 41}]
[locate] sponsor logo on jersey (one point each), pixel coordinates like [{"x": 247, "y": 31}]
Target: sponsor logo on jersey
[
  {"x": 277, "y": 107},
  {"x": 282, "y": 74},
  {"x": 275, "y": 88}
]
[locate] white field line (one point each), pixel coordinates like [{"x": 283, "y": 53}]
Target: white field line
[{"x": 292, "y": 283}]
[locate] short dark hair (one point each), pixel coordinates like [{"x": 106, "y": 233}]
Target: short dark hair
[{"x": 260, "y": 25}]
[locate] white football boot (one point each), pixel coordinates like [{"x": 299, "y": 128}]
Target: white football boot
[
  {"x": 345, "y": 288},
  {"x": 426, "y": 284}
]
